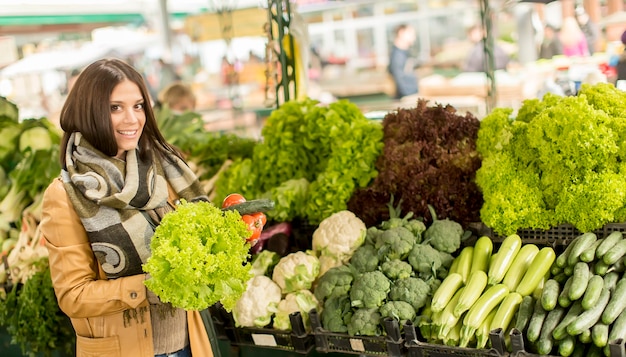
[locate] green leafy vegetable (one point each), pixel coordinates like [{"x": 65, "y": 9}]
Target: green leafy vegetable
[{"x": 199, "y": 257}]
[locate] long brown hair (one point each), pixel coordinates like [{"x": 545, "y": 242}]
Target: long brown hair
[{"x": 87, "y": 110}]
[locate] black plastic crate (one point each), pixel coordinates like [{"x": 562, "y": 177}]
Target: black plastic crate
[
  {"x": 390, "y": 345},
  {"x": 560, "y": 235},
  {"x": 518, "y": 347},
  {"x": 297, "y": 340},
  {"x": 417, "y": 348}
]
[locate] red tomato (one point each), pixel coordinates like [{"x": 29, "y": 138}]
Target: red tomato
[
  {"x": 253, "y": 226},
  {"x": 261, "y": 218},
  {"x": 232, "y": 199}
]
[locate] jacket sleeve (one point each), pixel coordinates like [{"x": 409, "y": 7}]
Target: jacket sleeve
[{"x": 79, "y": 283}]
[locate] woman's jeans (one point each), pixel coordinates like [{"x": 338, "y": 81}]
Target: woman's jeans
[{"x": 185, "y": 352}]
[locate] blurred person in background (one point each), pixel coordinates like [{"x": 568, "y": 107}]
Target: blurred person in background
[
  {"x": 178, "y": 97},
  {"x": 475, "y": 60},
  {"x": 573, "y": 39},
  {"x": 119, "y": 178},
  {"x": 551, "y": 45},
  {"x": 621, "y": 61},
  {"x": 401, "y": 65},
  {"x": 589, "y": 28}
]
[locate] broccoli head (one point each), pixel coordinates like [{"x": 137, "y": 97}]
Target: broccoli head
[
  {"x": 336, "y": 281},
  {"x": 396, "y": 269},
  {"x": 425, "y": 260},
  {"x": 444, "y": 235},
  {"x": 417, "y": 227},
  {"x": 399, "y": 310},
  {"x": 371, "y": 235},
  {"x": 395, "y": 243},
  {"x": 365, "y": 322},
  {"x": 369, "y": 290},
  {"x": 411, "y": 290},
  {"x": 337, "y": 313},
  {"x": 365, "y": 259},
  {"x": 446, "y": 259}
]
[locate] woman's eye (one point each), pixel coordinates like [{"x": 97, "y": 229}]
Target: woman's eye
[
  {"x": 139, "y": 106},
  {"x": 115, "y": 108}
]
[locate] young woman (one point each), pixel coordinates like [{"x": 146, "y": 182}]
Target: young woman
[{"x": 119, "y": 178}]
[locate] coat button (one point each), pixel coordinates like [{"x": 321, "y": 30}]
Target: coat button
[{"x": 133, "y": 295}]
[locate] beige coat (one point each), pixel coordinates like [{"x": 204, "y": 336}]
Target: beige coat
[{"x": 94, "y": 304}]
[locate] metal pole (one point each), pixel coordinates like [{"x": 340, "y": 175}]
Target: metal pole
[
  {"x": 166, "y": 31},
  {"x": 488, "y": 45}
]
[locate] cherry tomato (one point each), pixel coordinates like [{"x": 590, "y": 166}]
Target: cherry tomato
[
  {"x": 232, "y": 199},
  {"x": 253, "y": 225},
  {"x": 260, "y": 217}
]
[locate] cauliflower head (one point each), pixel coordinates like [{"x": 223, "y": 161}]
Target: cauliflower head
[
  {"x": 258, "y": 303},
  {"x": 296, "y": 271},
  {"x": 301, "y": 300},
  {"x": 339, "y": 235},
  {"x": 369, "y": 290},
  {"x": 328, "y": 262}
]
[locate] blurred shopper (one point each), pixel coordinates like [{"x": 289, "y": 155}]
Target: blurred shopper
[
  {"x": 178, "y": 97},
  {"x": 475, "y": 60},
  {"x": 401, "y": 65},
  {"x": 551, "y": 45},
  {"x": 573, "y": 39},
  {"x": 589, "y": 28},
  {"x": 621, "y": 62},
  {"x": 119, "y": 177}
]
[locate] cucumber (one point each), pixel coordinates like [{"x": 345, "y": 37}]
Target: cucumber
[
  {"x": 561, "y": 278},
  {"x": 600, "y": 334},
  {"x": 610, "y": 280},
  {"x": 615, "y": 253},
  {"x": 579, "y": 245},
  {"x": 580, "y": 279},
  {"x": 593, "y": 291},
  {"x": 617, "y": 330},
  {"x": 569, "y": 270},
  {"x": 601, "y": 268},
  {"x": 590, "y": 253},
  {"x": 252, "y": 206},
  {"x": 560, "y": 331},
  {"x": 616, "y": 304},
  {"x": 525, "y": 312},
  {"x": 587, "y": 319},
  {"x": 555, "y": 270},
  {"x": 536, "y": 322},
  {"x": 550, "y": 294},
  {"x": 566, "y": 346},
  {"x": 594, "y": 351},
  {"x": 585, "y": 336},
  {"x": 563, "y": 299},
  {"x": 561, "y": 260},
  {"x": 546, "y": 342},
  {"x": 608, "y": 243}
]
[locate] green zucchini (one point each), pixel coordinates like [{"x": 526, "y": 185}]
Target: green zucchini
[
  {"x": 587, "y": 319},
  {"x": 579, "y": 245},
  {"x": 616, "y": 304},
  {"x": 608, "y": 243},
  {"x": 616, "y": 253},
  {"x": 600, "y": 334},
  {"x": 580, "y": 279},
  {"x": 593, "y": 291},
  {"x": 550, "y": 294},
  {"x": 252, "y": 206}
]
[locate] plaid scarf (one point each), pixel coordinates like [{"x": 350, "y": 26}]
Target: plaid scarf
[{"x": 121, "y": 202}]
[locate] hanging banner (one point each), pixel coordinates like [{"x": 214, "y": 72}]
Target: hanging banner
[{"x": 235, "y": 23}]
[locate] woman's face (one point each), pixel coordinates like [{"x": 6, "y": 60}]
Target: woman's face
[{"x": 127, "y": 116}]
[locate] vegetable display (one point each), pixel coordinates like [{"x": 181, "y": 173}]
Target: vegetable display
[
  {"x": 429, "y": 158},
  {"x": 332, "y": 147},
  {"x": 560, "y": 160}
]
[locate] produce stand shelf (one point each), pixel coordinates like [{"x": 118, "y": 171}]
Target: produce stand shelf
[
  {"x": 416, "y": 348},
  {"x": 518, "y": 347},
  {"x": 390, "y": 345},
  {"x": 560, "y": 235}
]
